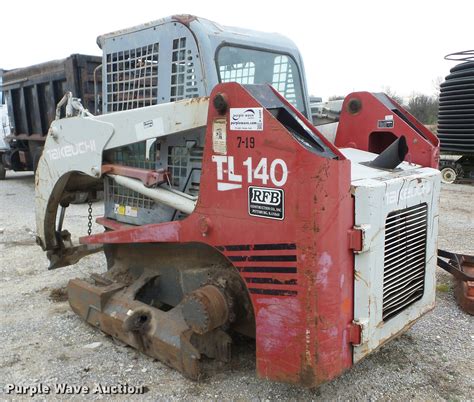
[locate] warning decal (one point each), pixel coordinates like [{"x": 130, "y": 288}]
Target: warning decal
[
  {"x": 219, "y": 136},
  {"x": 387, "y": 122},
  {"x": 125, "y": 210}
]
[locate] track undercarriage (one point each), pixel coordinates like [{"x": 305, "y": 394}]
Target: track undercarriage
[{"x": 175, "y": 309}]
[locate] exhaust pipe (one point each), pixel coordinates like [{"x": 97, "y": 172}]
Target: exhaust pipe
[{"x": 392, "y": 156}]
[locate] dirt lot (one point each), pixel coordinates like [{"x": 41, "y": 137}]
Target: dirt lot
[{"x": 43, "y": 342}]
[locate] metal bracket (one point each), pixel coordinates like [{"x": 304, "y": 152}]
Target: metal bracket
[
  {"x": 455, "y": 264},
  {"x": 358, "y": 332},
  {"x": 355, "y": 333},
  {"x": 357, "y": 238},
  {"x": 462, "y": 268},
  {"x": 73, "y": 106},
  {"x": 150, "y": 178},
  {"x": 64, "y": 256}
]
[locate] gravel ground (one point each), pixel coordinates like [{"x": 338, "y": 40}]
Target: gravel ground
[{"x": 43, "y": 342}]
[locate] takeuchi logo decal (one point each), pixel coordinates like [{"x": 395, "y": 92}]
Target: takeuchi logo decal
[
  {"x": 418, "y": 190},
  {"x": 68, "y": 151},
  {"x": 248, "y": 114}
]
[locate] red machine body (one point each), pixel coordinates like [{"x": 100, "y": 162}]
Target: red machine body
[
  {"x": 371, "y": 122},
  {"x": 297, "y": 265},
  {"x": 298, "y": 270}
]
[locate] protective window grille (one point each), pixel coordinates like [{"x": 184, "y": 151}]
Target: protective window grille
[
  {"x": 132, "y": 78},
  {"x": 405, "y": 259},
  {"x": 133, "y": 155},
  {"x": 283, "y": 80},
  {"x": 193, "y": 180},
  {"x": 195, "y": 158},
  {"x": 242, "y": 73},
  {"x": 123, "y": 196},
  {"x": 183, "y": 72},
  {"x": 177, "y": 165}
]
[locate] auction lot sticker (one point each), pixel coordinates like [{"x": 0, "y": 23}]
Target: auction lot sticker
[
  {"x": 246, "y": 119},
  {"x": 267, "y": 202}
]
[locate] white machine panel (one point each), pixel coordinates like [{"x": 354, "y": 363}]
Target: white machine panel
[{"x": 395, "y": 272}]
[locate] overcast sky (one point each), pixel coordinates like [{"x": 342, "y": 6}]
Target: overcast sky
[{"x": 346, "y": 45}]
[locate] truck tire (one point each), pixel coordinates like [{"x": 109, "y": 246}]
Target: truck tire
[
  {"x": 3, "y": 171},
  {"x": 448, "y": 175}
]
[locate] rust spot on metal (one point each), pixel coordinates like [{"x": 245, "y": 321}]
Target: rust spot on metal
[
  {"x": 346, "y": 305},
  {"x": 307, "y": 377},
  {"x": 201, "y": 99},
  {"x": 461, "y": 266},
  {"x": 185, "y": 19},
  {"x": 127, "y": 302},
  {"x": 464, "y": 290},
  {"x": 148, "y": 177},
  {"x": 205, "y": 309}
]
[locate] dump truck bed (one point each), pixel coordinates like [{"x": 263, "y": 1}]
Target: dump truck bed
[{"x": 33, "y": 92}]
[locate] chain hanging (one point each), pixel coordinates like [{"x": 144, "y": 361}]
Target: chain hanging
[{"x": 89, "y": 219}]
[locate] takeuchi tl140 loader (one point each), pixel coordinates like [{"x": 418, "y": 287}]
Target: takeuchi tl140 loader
[{"x": 227, "y": 211}]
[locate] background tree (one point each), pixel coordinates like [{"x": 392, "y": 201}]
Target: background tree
[
  {"x": 390, "y": 92},
  {"x": 437, "y": 85},
  {"x": 424, "y": 108}
]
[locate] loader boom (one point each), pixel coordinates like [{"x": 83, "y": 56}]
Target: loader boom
[{"x": 75, "y": 146}]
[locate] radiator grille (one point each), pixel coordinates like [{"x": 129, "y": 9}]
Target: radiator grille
[{"x": 405, "y": 259}]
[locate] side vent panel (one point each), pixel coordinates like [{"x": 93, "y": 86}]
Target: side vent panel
[{"x": 404, "y": 259}]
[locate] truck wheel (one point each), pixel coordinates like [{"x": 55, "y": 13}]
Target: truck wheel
[
  {"x": 3, "y": 171},
  {"x": 448, "y": 175}
]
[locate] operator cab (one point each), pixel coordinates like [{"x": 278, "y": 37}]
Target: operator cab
[
  {"x": 172, "y": 59},
  {"x": 186, "y": 57}
]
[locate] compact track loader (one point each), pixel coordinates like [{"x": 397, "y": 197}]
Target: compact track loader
[{"x": 227, "y": 211}]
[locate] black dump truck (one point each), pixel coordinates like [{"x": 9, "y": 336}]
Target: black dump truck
[{"x": 32, "y": 94}]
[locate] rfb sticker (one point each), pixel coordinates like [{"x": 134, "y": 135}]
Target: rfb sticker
[
  {"x": 246, "y": 119},
  {"x": 267, "y": 202},
  {"x": 230, "y": 176}
]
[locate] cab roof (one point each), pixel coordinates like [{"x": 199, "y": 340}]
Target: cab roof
[{"x": 204, "y": 27}]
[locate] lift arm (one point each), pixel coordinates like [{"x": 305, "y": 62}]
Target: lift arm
[{"x": 74, "y": 150}]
